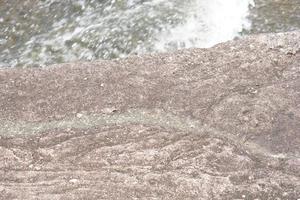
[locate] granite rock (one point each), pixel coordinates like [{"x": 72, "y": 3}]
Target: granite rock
[{"x": 217, "y": 123}]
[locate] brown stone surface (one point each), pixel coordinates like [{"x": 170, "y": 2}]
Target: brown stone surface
[{"x": 218, "y": 123}]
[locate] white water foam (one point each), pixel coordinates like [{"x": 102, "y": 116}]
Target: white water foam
[
  {"x": 208, "y": 23},
  {"x": 92, "y": 29}
]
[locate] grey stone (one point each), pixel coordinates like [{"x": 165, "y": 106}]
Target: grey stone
[{"x": 218, "y": 123}]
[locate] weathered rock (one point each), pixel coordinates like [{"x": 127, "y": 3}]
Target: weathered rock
[{"x": 218, "y": 123}]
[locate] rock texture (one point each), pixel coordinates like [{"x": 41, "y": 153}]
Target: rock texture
[{"x": 218, "y": 123}]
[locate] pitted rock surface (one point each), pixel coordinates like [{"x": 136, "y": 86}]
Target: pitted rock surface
[{"x": 218, "y": 123}]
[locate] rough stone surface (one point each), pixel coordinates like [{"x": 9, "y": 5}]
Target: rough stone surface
[{"x": 218, "y": 123}]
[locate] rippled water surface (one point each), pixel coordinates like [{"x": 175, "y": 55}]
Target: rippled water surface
[{"x": 41, "y": 32}]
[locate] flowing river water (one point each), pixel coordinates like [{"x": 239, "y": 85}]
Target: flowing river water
[{"x": 43, "y": 32}]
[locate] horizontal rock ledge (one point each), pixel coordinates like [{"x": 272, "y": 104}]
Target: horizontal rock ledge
[{"x": 217, "y": 123}]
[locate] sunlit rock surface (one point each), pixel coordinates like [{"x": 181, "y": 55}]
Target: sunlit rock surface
[{"x": 218, "y": 123}]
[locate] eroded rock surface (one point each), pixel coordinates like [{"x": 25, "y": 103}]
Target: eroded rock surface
[{"x": 218, "y": 123}]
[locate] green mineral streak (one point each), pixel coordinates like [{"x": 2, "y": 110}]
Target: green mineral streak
[
  {"x": 156, "y": 118},
  {"x": 88, "y": 121}
]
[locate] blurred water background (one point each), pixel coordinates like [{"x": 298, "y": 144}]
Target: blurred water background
[{"x": 43, "y": 32}]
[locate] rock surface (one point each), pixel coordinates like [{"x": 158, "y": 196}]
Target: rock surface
[{"x": 218, "y": 123}]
